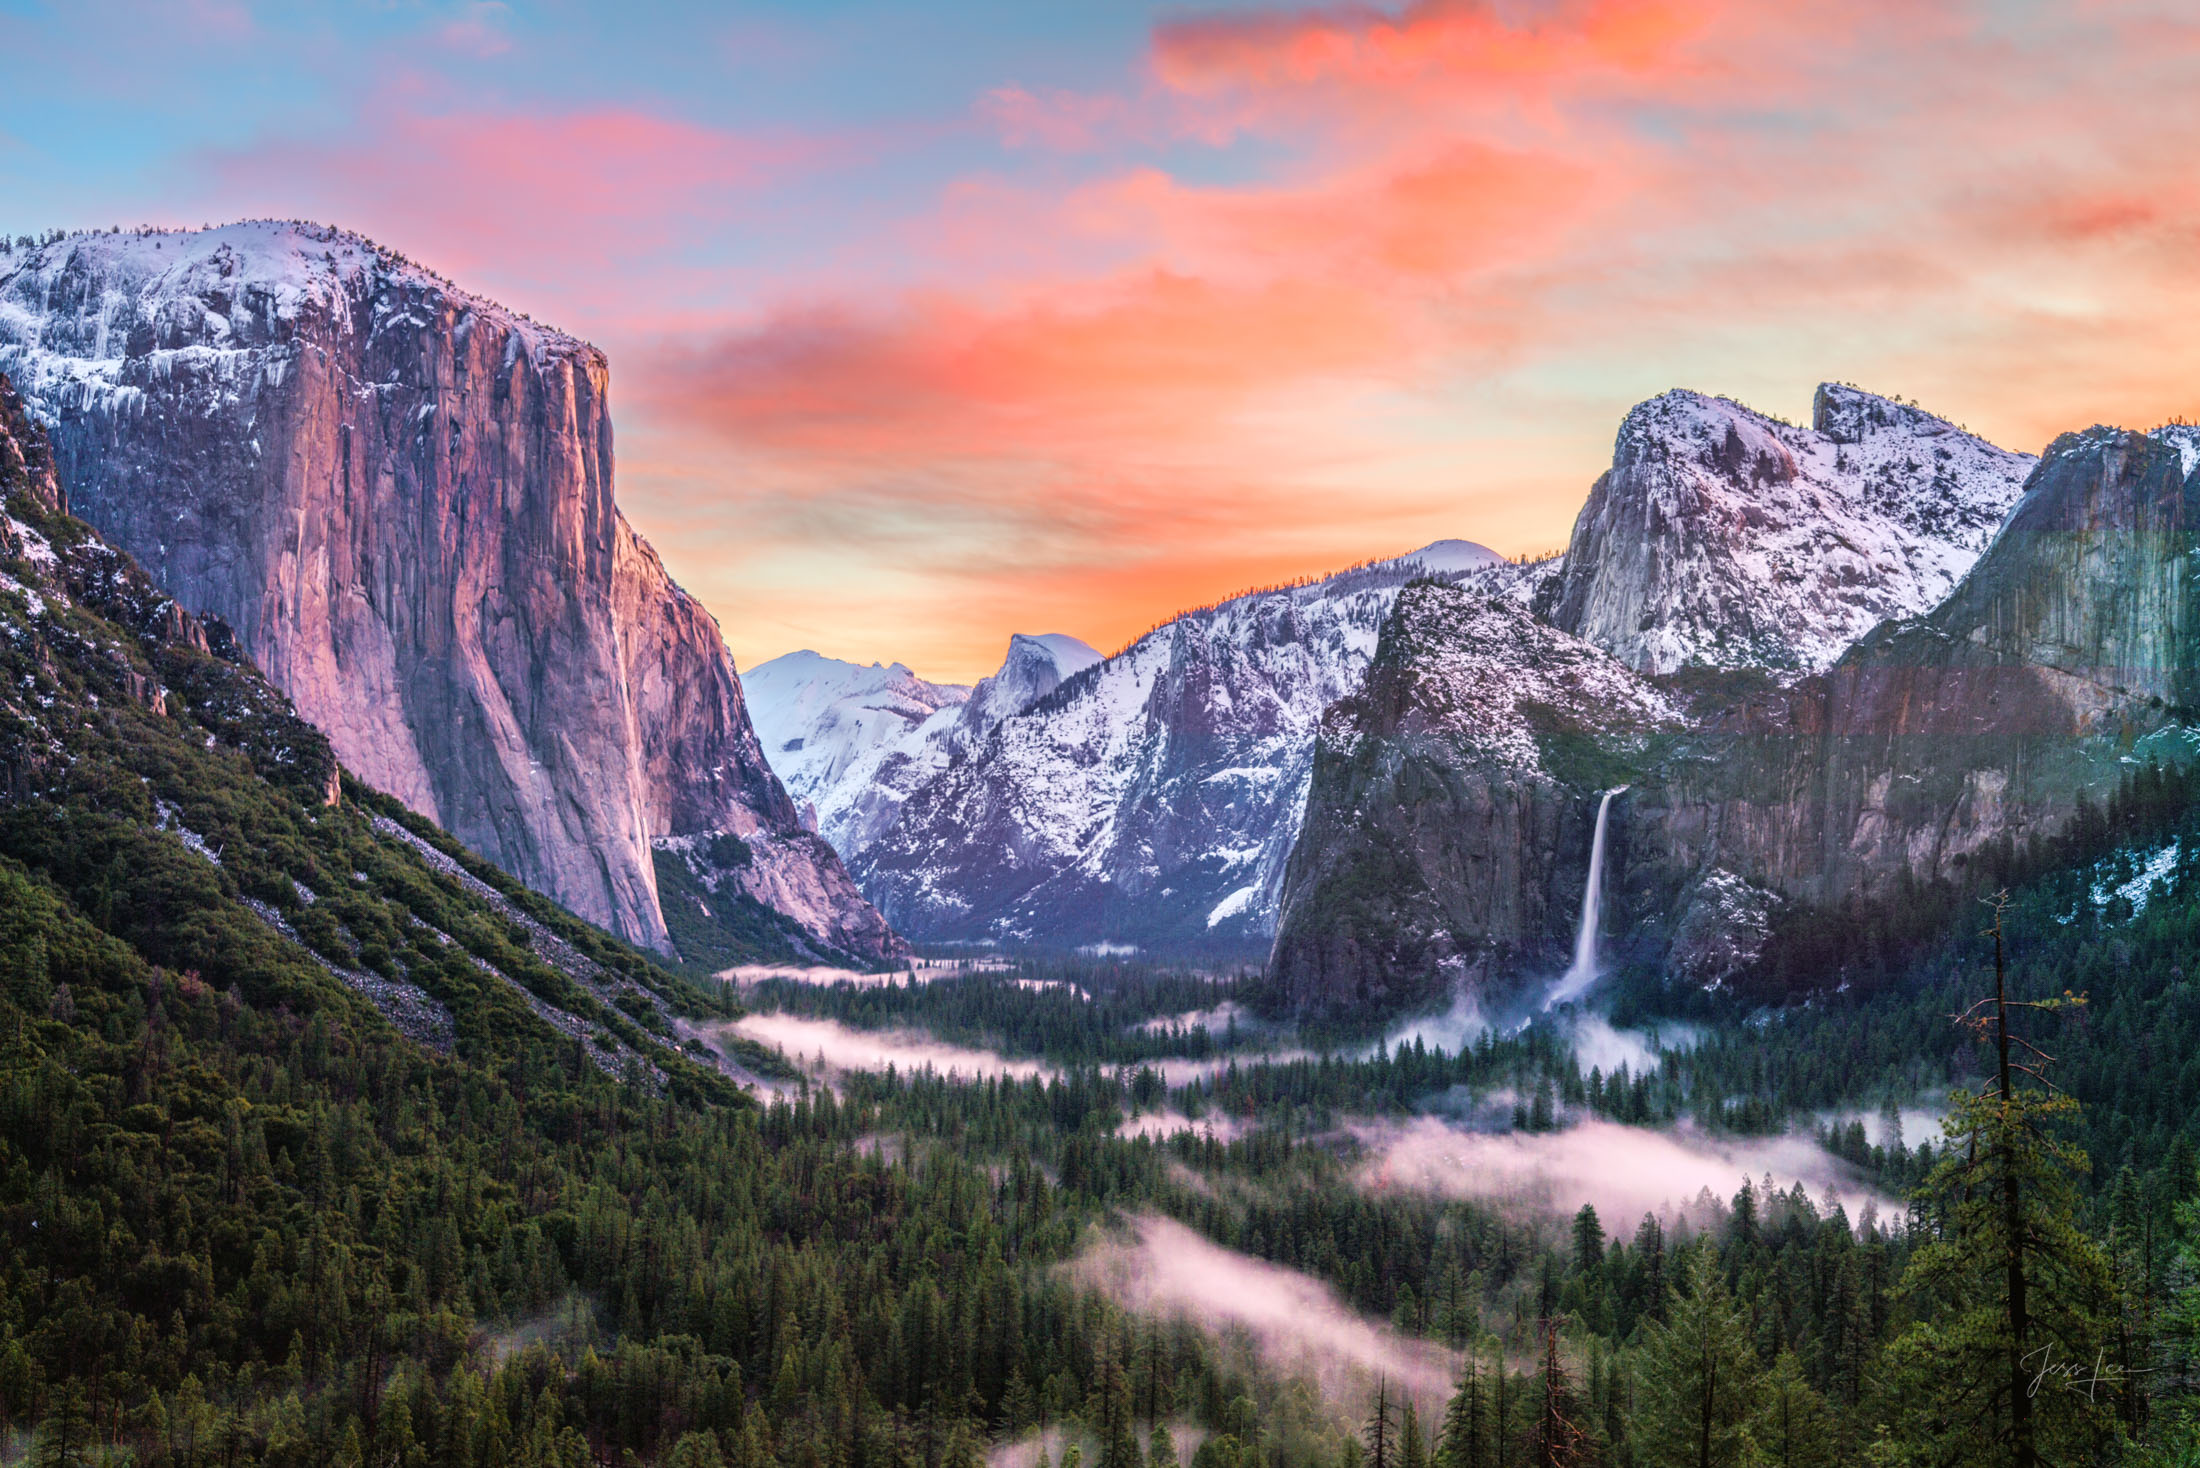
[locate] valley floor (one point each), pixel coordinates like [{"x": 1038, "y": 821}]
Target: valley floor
[{"x": 1044, "y": 1208}]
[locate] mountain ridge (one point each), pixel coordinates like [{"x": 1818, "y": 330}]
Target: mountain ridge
[
  {"x": 1153, "y": 796},
  {"x": 1726, "y": 538}
]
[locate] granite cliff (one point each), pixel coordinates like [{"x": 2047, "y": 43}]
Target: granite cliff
[
  {"x": 400, "y": 497},
  {"x": 1721, "y": 537},
  {"x": 1445, "y": 833},
  {"x": 2065, "y": 657}
]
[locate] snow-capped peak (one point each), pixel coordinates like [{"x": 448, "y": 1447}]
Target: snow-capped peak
[
  {"x": 1156, "y": 796},
  {"x": 230, "y": 287},
  {"x": 1722, "y": 536},
  {"x": 1071, "y": 655},
  {"x": 841, "y": 736},
  {"x": 851, "y": 741}
]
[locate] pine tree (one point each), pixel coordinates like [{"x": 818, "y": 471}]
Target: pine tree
[
  {"x": 65, "y": 1437},
  {"x": 962, "y": 1448},
  {"x": 1649, "y": 1254},
  {"x": 1793, "y": 1428},
  {"x": 1109, "y": 1414},
  {"x": 2014, "y": 1300},
  {"x": 1588, "y": 1239},
  {"x": 696, "y": 1450},
  {"x": 1698, "y": 1375},
  {"x": 1460, "y": 1445}
]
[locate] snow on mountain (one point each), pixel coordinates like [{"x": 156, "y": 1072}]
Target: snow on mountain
[
  {"x": 2183, "y": 437},
  {"x": 83, "y": 321},
  {"x": 401, "y": 498},
  {"x": 1034, "y": 668},
  {"x": 851, "y": 742},
  {"x": 1724, "y": 537},
  {"x": 840, "y": 736},
  {"x": 1447, "y": 829},
  {"x": 1446, "y": 557},
  {"x": 1154, "y": 796}
]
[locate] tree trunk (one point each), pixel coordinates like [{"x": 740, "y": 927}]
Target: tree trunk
[{"x": 2023, "y": 1452}]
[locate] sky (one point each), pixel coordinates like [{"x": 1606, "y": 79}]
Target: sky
[{"x": 933, "y": 322}]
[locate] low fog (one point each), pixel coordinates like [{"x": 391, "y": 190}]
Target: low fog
[
  {"x": 1292, "y": 1323},
  {"x": 1596, "y": 1043},
  {"x": 1215, "y": 1021},
  {"x": 825, "y": 1046},
  {"x": 1159, "y": 1124},
  {"x": 1623, "y": 1171}
]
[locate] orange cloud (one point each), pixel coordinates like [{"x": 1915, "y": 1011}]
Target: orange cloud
[
  {"x": 1158, "y": 388},
  {"x": 1310, "y": 284},
  {"x": 1454, "y": 41}
]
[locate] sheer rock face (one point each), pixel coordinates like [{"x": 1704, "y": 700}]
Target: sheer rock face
[
  {"x": 400, "y": 496},
  {"x": 2070, "y": 649},
  {"x": 1724, "y": 538}
]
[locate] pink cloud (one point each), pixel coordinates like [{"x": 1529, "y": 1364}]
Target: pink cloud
[
  {"x": 570, "y": 199},
  {"x": 1087, "y": 385}
]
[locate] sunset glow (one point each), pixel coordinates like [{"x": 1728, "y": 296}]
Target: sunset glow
[{"x": 931, "y": 324}]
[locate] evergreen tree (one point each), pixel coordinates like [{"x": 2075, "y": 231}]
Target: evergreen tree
[
  {"x": 1378, "y": 1433},
  {"x": 65, "y": 1437},
  {"x": 1588, "y": 1239},
  {"x": 1698, "y": 1374},
  {"x": 2014, "y": 1301},
  {"x": 1412, "y": 1446},
  {"x": 1460, "y": 1444},
  {"x": 1792, "y": 1428}
]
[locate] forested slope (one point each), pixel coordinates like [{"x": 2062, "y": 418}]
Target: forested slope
[{"x": 310, "y": 1122}]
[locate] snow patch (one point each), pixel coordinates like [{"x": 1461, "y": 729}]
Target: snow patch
[{"x": 1237, "y": 904}]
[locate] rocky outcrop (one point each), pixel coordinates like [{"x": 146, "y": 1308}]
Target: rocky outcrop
[
  {"x": 400, "y": 496},
  {"x": 2068, "y": 655},
  {"x": 2071, "y": 649},
  {"x": 26, "y": 460},
  {"x": 1033, "y": 668},
  {"x": 1723, "y": 538},
  {"x": 1152, "y": 798},
  {"x": 1453, "y": 797}
]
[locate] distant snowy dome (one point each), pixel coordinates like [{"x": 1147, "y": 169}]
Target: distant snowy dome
[
  {"x": 839, "y": 736},
  {"x": 1071, "y": 655},
  {"x": 1448, "y": 557}
]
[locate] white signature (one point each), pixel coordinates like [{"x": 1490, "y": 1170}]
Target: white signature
[{"x": 2072, "y": 1374}]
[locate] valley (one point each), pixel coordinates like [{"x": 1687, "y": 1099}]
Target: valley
[{"x": 1455, "y": 1011}]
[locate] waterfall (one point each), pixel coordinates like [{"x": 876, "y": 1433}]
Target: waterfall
[{"x": 1575, "y": 982}]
